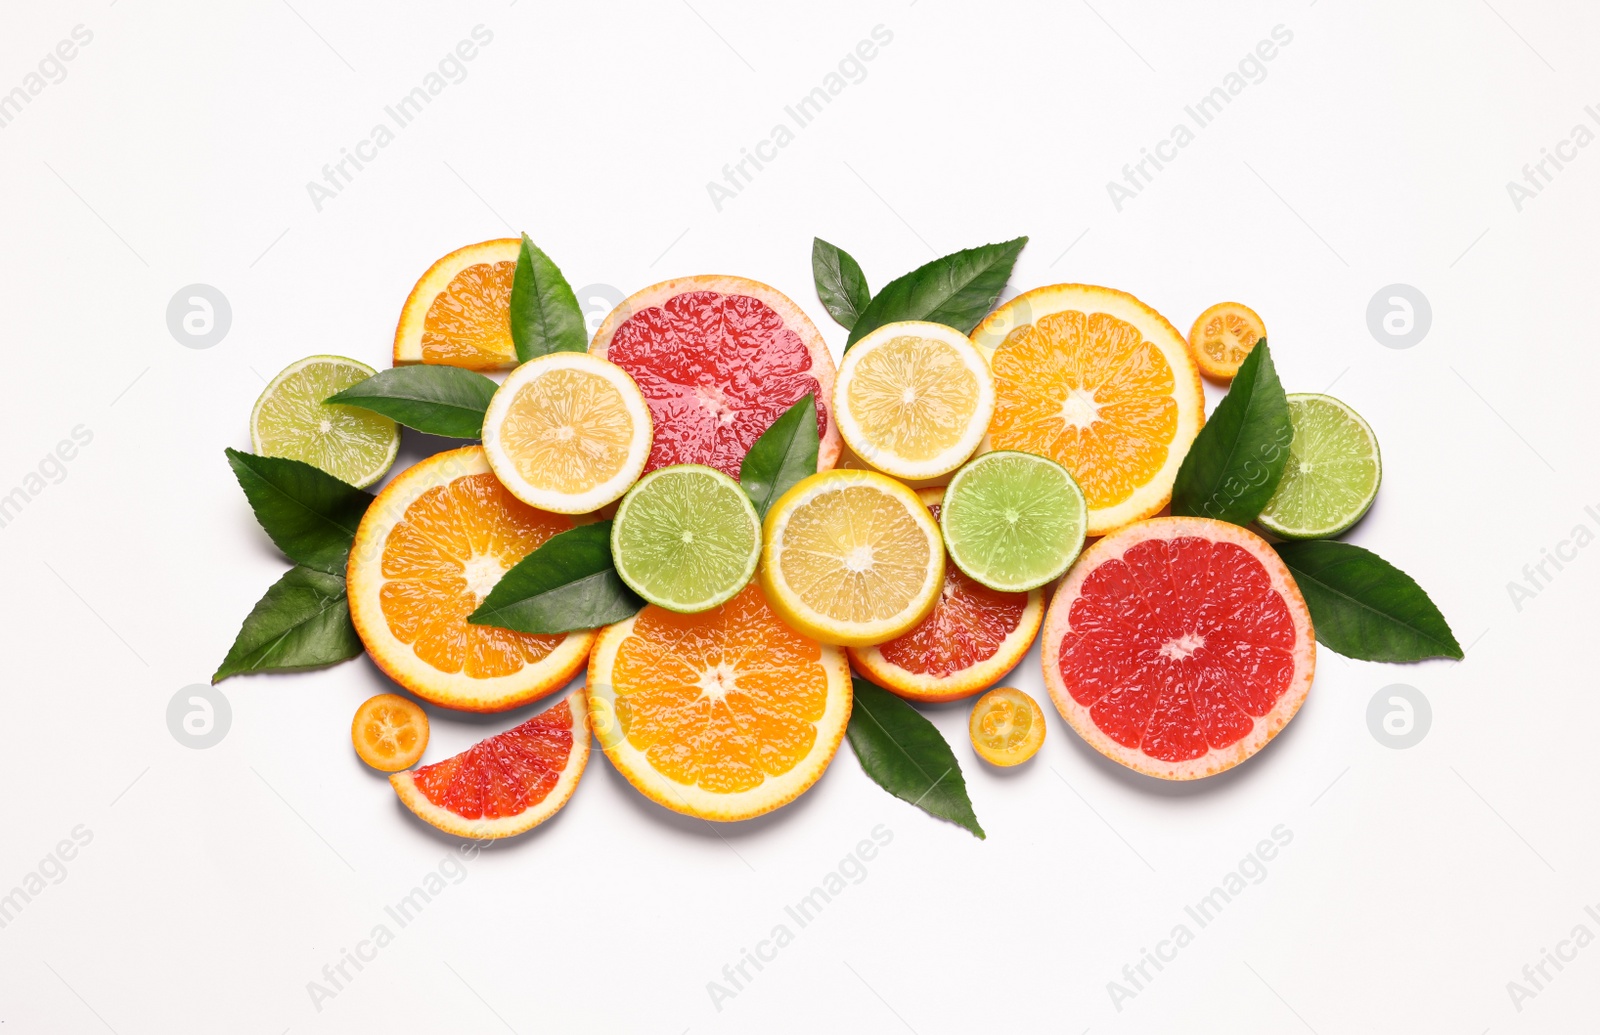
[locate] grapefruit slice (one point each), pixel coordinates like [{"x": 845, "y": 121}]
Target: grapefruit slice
[
  {"x": 508, "y": 784},
  {"x": 1178, "y": 646},
  {"x": 459, "y": 312},
  {"x": 973, "y": 636},
  {"x": 427, "y": 552},
  {"x": 719, "y": 359}
]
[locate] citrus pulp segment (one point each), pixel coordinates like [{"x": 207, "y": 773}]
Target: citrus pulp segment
[
  {"x": 506, "y": 784},
  {"x": 1013, "y": 521},
  {"x": 851, "y": 557},
  {"x": 723, "y": 715},
  {"x": 1178, "y": 646},
  {"x": 972, "y": 637},
  {"x": 1223, "y": 336},
  {"x": 1006, "y": 727},
  {"x": 719, "y": 359},
  {"x": 389, "y": 732},
  {"x": 686, "y": 537},
  {"x": 914, "y": 399},
  {"x": 1102, "y": 384},
  {"x": 291, "y": 420},
  {"x": 459, "y": 312},
  {"x": 428, "y": 550},
  {"x": 1333, "y": 471},
  {"x": 567, "y": 432}
]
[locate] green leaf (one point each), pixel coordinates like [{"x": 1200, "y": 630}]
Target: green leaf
[
  {"x": 302, "y": 622},
  {"x": 435, "y": 400},
  {"x": 840, "y": 283},
  {"x": 904, "y": 753},
  {"x": 311, "y": 515},
  {"x": 784, "y": 454},
  {"x": 545, "y": 316},
  {"x": 566, "y": 584},
  {"x": 957, "y": 290},
  {"x": 1237, "y": 460},
  {"x": 1364, "y": 607}
]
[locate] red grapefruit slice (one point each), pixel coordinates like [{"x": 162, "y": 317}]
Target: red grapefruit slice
[
  {"x": 1178, "y": 646},
  {"x": 508, "y": 784},
  {"x": 973, "y": 637},
  {"x": 718, "y": 360}
]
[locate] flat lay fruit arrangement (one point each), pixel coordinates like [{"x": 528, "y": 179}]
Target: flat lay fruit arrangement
[{"x": 753, "y": 553}]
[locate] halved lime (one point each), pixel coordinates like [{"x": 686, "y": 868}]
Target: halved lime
[
  {"x": 291, "y": 420},
  {"x": 1013, "y": 521},
  {"x": 1333, "y": 471},
  {"x": 686, "y": 537}
]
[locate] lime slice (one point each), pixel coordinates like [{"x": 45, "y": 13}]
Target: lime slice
[
  {"x": 686, "y": 537},
  {"x": 1013, "y": 521},
  {"x": 291, "y": 420},
  {"x": 1333, "y": 471}
]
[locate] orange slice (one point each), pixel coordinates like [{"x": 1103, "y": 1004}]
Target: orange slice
[
  {"x": 725, "y": 714},
  {"x": 1006, "y": 726},
  {"x": 458, "y": 314},
  {"x": 1102, "y": 384},
  {"x": 973, "y": 636},
  {"x": 389, "y": 732},
  {"x": 429, "y": 549},
  {"x": 507, "y": 784},
  {"x": 1223, "y": 336}
]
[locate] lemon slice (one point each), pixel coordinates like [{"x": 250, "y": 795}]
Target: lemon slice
[
  {"x": 914, "y": 399},
  {"x": 567, "y": 432},
  {"x": 291, "y": 420},
  {"x": 851, "y": 558}
]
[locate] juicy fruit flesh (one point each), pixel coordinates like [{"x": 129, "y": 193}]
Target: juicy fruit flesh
[
  {"x": 1228, "y": 337},
  {"x": 467, "y": 322},
  {"x": 391, "y": 731},
  {"x": 687, "y": 536},
  {"x": 716, "y": 371},
  {"x": 913, "y": 397},
  {"x": 505, "y": 775},
  {"x": 441, "y": 559},
  {"x": 1003, "y": 721},
  {"x": 1087, "y": 391},
  {"x": 1332, "y": 472},
  {"x": 346, "y": 441},
  {"x": 966, "y": 627},
  {"x": 855, "y": 555},
  {"x": 1178, "y": 646},
  {"x": 567, "y": 431},
  {"x": 723, "y": 699},
  {"x": 1014, "y": 519}
]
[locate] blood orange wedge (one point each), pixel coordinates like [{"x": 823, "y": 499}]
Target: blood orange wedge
[
  {"x": 508, "y": 784},
  {"x": 725, "y": 714},
  {"x": 719, "y": 359},
  {"x": 1178, "y": 646},
  {"x": 1100, "y": 383},
  {"x": 428, "y": 550},
  {"x": 973, "y": 637},
  {"x": 458, "y": 314}
]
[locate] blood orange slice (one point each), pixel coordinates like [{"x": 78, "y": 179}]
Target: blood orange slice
[
  {"x": 973, "y": 637},
  {"x": 1178, "y": 646},
  {"x": 719, "y": 359},
  {"x": 508, "y": 784}
]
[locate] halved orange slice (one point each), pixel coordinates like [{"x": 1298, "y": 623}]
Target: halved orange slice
[
  {"x": 1223, "y": 336},
  {"x": 507, "y": 784},
  {"x": 725, "y": 714},
  {"x": 428, "y": 550},
  {"x": 459, "y": 313}
]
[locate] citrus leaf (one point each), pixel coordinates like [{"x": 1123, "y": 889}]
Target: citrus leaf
[
  {"x": 784, "y": 454},
  {"x": 568, "y": 583},
  {"x": 1235, "y": 463},
  {"x": 957, "y": 290},
  {"x": 841, "y": 285},
  {"x": 435, "y": 400},
  {"x": 302, "y": 622},
  {"x": 545, "y": 316},
  {"x": 905, "y": 755},
  {"x": 310, "y": 515},
  {"x": 1364, "y": 607}
]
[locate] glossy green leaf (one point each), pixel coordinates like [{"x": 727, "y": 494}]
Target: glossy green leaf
[
  {"x": 1235, "y": 463},
  {"x": 905, "y": 754},
  {"x": 302, "y": 622},
  {"x": 568, "y": 583},
  {"x": 311, "y": 515},
  {"x": 784, "y": 454},
  {"x": 957, "y": 290},
  {"x": 841, "y": 285},
  {"x": 435, "y": 400},
  {"x": 545, "y": 315},
  {"x": 1364, "y": 607}
]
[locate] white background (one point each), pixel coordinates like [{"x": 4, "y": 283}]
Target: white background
[{"x": 219, "y": 882}]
